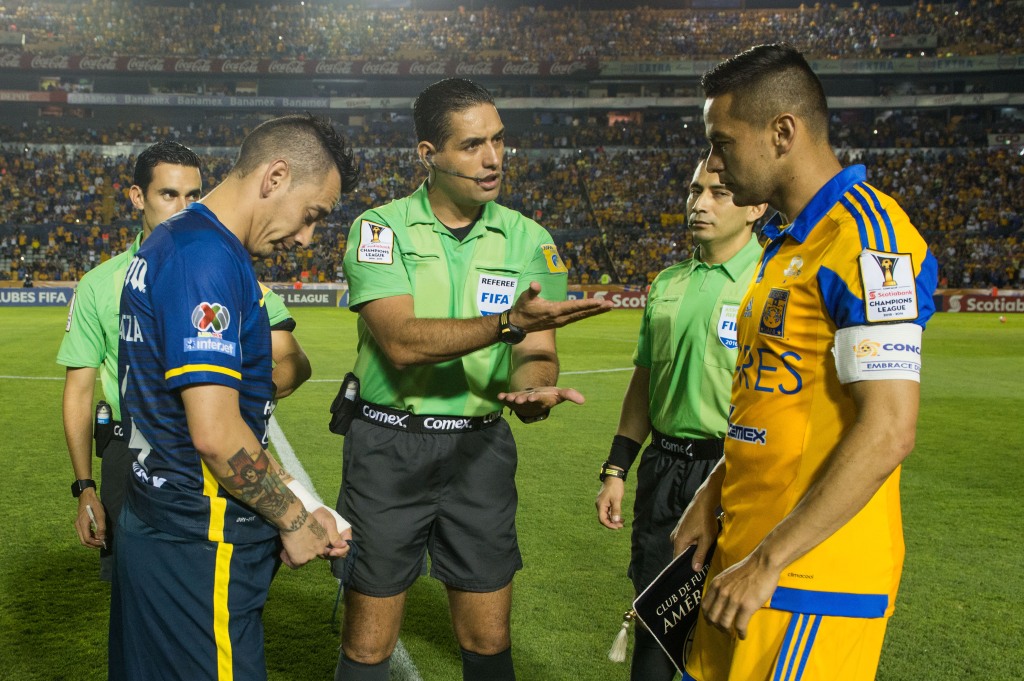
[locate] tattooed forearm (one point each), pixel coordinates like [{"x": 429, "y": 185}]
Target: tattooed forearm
[
  {"x": 256, "y": 482},
  {"x": 299, "y": 521}
]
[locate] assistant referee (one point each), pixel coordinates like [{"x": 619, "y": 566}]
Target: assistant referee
[{"x": 679, "y": 391}]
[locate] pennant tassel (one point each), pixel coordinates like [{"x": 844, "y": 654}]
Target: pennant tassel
[{"x": 617, "y": 653}]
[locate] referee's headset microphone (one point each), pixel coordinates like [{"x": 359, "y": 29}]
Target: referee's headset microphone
[{"x": 428, "y": 162}]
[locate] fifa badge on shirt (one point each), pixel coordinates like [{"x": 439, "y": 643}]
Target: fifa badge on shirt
[
  {"x": 773, "y": 316},
  {"x": 376, "y": 243},
  {"x": 551, "y": 257},
  {"x": 495, "y": 294},
  {"x": 890, "y": 292},
  {"x": 727, "y": 325}
]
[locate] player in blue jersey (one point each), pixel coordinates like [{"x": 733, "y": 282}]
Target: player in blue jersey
[{"x": 209, "y": 510}]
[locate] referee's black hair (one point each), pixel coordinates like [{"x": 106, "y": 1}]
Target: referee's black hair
[
  {"x": 431, "y": 112},
  {"x": 166, "y": 151},
  {"x": 309, "y": 143},
  {"x": 768, "y": 80}
]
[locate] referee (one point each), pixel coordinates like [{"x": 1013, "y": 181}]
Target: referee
[
  {"x": 679, "y": 392},
  {"x": 458, "y": 299},
  {"x": 166, "y": 179}
]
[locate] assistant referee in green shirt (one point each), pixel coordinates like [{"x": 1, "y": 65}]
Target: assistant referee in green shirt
[{"x": 679, "y": 392}]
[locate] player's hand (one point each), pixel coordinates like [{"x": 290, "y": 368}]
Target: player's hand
[
  {"x": 308, "y": 541},
  {"x": 337, "y": 546},
  {"x": 698, "y": 525},
  {"x": 535, "y": 401},
  {"x": 88, "y": 535},
  {"x": 533, "y": 313},
  {"x": 609, "y": 503},
  {"x": 739, "y": 591}
]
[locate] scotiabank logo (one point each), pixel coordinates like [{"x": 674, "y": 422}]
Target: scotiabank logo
[
  {"x": 981, "y": 303},
  {"x": 633, "y": 300}
]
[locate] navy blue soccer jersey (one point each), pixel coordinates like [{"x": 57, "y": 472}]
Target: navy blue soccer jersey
[{"x": 191, "y": 313}]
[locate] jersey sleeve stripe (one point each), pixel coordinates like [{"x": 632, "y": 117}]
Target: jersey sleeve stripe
[
  {"x": 859, "y": 192},
  {"x": 191, "y": 368},
  {"x": 862, "y": 227},
  {"x": 864, "y": 209},
  {"x": 873, "y": 195}
]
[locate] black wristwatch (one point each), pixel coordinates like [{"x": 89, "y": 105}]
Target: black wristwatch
[
  {"x": 508, "y": 332},
  {"x": 608, "y": 471},
  {"x": 79, "y": 486}
]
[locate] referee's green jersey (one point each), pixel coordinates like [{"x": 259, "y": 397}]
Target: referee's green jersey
[
  {"x": 688, "y": 341},
  {"x": 91, "y": 334},
  {"x": 402, "y": 249}
]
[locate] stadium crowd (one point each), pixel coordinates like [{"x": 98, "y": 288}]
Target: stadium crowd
[
  {"x": 968, "y": 203},
  {"x": 323, "y": 31}
]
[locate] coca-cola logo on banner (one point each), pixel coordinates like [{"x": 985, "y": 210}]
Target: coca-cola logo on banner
[
  {"x": 479, "y": 68},
  {"x": 380, "y": 68},
  {"x": 523, "y": 68},
  {"x": 192, "y": 65},
  {"x": 428, "y": 68},
  {"x": 145, "y": 64},
  {"x": 240, "y": 66},
  {"x": 567, "y": 69},
  {"x": 292, "y": 66},
  {"x": 41, "y": 62},
  {"x": 334, "y": 68},
  {"x": 10, "y": 60},
  {"x": 98, "y": 63}
]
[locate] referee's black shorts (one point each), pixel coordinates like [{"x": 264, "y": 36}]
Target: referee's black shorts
[
  {"x": 665, "y": 485},
  {"x": 452, "y": 494}
]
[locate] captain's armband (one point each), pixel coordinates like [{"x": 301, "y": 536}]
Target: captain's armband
[{"x": 878, "y": 353}]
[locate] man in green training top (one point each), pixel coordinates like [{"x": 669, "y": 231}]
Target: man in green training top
[
  {"x": 679, "y": 392},
  {"x": 458, "y": 299},
  {"x": 166, "y": 178}
]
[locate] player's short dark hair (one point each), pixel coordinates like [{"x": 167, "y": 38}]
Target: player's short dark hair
[
  {"x": 162, "y": 152},
  {"x": 431, "y": 112},
  {"x": 309, "y": 143},
  {"x": 768, "y": 80}
]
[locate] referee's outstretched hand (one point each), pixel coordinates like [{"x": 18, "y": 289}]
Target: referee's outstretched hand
[
  {"x": 533, "y": 401},
  {"x": 533, "y": 313}
]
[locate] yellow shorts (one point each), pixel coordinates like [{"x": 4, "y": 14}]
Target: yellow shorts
[{"x": 788, "y": 646}]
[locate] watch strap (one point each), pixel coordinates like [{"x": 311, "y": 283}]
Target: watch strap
[{"x": 79, "y": 486}]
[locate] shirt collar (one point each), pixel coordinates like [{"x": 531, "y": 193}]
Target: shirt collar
[
  {"x": 819, "y": 206},
  {"x": 420, "y": 213},
  {"x": 734, "y": 266}
]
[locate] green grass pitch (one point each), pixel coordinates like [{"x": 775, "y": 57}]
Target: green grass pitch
[{"x": 959, "y": 614}]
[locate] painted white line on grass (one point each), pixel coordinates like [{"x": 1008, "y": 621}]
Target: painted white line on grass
[
  {"x": 33, "y": 378},
  {"x": 402, "y": 666},
  {"x": 286, "y": 455}
]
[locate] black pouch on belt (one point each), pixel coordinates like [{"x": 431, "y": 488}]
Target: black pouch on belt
[
  {"x": 343, "y": 409},
  {"x": 103, "y": 427}
]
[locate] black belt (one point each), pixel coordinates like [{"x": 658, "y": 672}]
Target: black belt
[
  {"x": 397, "y": 419},
  {"x": 688, "y": 448}
]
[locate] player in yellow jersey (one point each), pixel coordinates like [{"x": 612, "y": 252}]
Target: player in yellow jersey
[{"x": 824, "y": 398}]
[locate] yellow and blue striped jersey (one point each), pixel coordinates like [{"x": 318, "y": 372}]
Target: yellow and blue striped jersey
[{"x": 851, "y": 258}]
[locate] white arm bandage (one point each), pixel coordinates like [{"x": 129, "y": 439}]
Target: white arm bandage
[
  {"x": 311, "y": 504},
  {"x": 878, "y": 353}
]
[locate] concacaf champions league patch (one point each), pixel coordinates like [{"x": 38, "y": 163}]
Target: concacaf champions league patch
[
  {"x": 376, "y": 243},
  {"x": 890, "y": 292}
]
